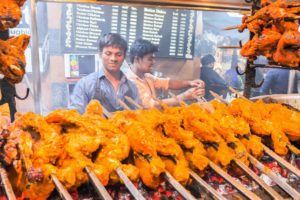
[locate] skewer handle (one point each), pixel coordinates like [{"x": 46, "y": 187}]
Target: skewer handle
[
  {"x": 129, "y": 185},
  {"x": 179, "y": 187},
  {"x": 218, "y": 97},
  {"x": 102, "y": 192},
  {"x": 7, "y": 186},
  {"x": 61, "y": 189},
  {"x": 231, "y": 27},
  {"x": 130, "y": 100},
  {"x": 124, "y": 105}
]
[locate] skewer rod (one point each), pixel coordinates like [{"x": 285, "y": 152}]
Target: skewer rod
[
  {"x": 130, "y": 100},
  {"x": 237, "y": 185},
  {"x": 258, "y": 180},
  {"x": 7, "y": 186},
  {"x": 179, "y": 187},
  {"x": 102, "y": 192},
  {"x": 208, "y": 188},
  {"x": 61, "y": 189},
  {"x": 286, "y": 187},
  {"x": 129, "y": 185},
  {"x": 282, "y": 162}
]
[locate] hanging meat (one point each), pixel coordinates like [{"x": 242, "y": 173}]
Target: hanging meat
[
  {"x": 276, "y": 35},
  {"x": 12, "y": 58},
  {"x": 10, "y": 13}
]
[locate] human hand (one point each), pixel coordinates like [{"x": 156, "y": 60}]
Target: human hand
[
  {"x": 197, "y": 83},
  {"x": 192, "y": 93}
]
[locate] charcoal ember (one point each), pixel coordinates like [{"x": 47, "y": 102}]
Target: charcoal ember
[{"x": 35, "y": 175}]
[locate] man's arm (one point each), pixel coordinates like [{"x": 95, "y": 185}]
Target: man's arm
[
  {"x": 176, "y": 84},
  {"x": 191, "y": 93},
  {"x": 166, "y": 83}
]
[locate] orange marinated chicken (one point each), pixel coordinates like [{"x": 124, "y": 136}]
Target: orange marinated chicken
[
  {"x": 10, "y": 13},
  {"x": 12, "y": 58}
]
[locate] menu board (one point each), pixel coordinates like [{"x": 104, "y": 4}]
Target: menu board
[{"x": 171, "y": 29}]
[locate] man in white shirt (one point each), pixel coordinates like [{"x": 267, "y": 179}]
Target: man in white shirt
[{"x": 142, "y": 58}]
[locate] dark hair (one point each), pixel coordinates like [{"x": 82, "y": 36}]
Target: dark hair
[
  {"x": 207, "y": 59},
  {"x": 141, "y": 47},
  {"x": 112, "y": 40}
]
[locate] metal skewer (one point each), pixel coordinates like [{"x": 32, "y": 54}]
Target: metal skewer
[
  {"x": 278, "y": 180},
  {"x": 206, "y": 186},
  {"x": 7, "y": 186},
  {"x": 230, "y": 47},
  {"x": 61, "y": 189},
  {"x": 124, "y": 105},
  {"x": 129, "y": 185},
  {"x": 102, "y": 192},
  {"x": 179, "y": 188},
  {"x": 258, "y": 180},
  {"x": 281, "y": 161},
  {"x": 130, "y": 100},
  {"x": 237, "y": 185},
  {"x": 231, "y": 27}
]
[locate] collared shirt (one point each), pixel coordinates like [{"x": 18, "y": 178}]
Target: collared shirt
[
  {"x": 97, "y": 86},
  {"x": 147, "y": 86}
]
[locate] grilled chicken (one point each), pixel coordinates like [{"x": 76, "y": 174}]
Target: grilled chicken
[
  {"x": 10, "y": 13},
  {"x": 12, "y": 58}
]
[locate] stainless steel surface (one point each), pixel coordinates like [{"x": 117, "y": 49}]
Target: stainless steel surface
[
  {"x": 236, "y": 184},
  {"x": 129, "y": 185},
  {"x": 102, "y": 192},
  {"x": 35, "y": 61},
  {"x": 7, "y": 186},
  {"x": 282, "y": 162},
  {"x": 60, "y": 188},
  {"x": 278, "y": 180},
  {"x": 178, "y": 187},
  {"x": 206, "y": 186},
  {"x": 259, "y": 181}
]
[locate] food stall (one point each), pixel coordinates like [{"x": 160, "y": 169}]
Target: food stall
[{"x": 216, "y": 150}]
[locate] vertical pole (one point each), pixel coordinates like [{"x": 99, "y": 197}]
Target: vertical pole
[
  {"x": 35, "y": 61},
  {"x": 249, "y": 79}
]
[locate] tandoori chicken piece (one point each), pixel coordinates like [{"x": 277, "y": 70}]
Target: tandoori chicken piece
[
  {"x": 10, "y": 13},
  {"x": 288, "y": 56},
  {"x": 12, "y": 58}
]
